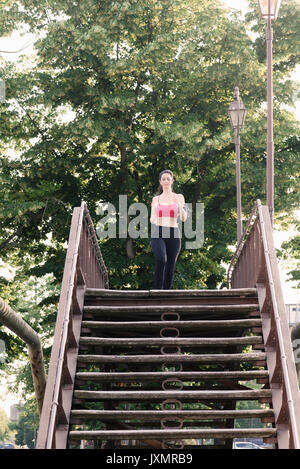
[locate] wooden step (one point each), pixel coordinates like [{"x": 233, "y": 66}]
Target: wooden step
[
  {"x": 149, "y": 396},
  {"x": 186, "y": 415},
  {"x": 173, "y": 434},
  {"x": 171, "y": 358},
  {"x": 213, "y": 341},
  {"x": 200, "y": 321},
  {"x": 244, "y": 308},
  {"x": 161, "y": 376},
  {"x": 154, "y": 325},
  {"x": 249, "y": 292}
]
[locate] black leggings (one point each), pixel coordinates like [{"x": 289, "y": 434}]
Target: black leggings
[{"x": 166, "y": 244}]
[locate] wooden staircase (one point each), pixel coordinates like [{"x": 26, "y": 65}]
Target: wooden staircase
[
  {"x": 166, "y": 369},
  {"x": 171, "y": 369}
]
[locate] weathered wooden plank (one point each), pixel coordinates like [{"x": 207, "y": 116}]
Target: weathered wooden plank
[
  {"x": 170, "y": 308},
  {"x": 111, "y": 293},
  {"x": 133, "y": 325},
  {"x": 169, "y": 293},
  {"x": 173, "y": 358},
  {"x": 182, "y": 375},
  {"x": 186, "y": 415},
  {"x": 173, "y": 434},
  {"x": 151, "y": 395},
  {"x": 238, "y": 292},
  {"x": 214, "y": 341}
]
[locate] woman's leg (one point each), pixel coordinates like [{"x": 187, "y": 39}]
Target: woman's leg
[
  {"x": 173, "y": 246},
  {"x": 159, "y": 247}
]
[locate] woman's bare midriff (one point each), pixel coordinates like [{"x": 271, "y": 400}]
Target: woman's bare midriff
[{"x": 165, "y": 221}]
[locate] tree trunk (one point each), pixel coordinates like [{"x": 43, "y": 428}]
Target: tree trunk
[{"x": 12, "y": 320}]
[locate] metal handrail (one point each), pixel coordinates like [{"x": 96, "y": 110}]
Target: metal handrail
[
  {"x": 84, "y": 267},
  {"x": 240, "y": 244},
  {"x": 290, "y": 402},
  {"x": 255, "y": 265},
  {"x": 64, "y": 336},
  {"x": 94, "y": 240}
]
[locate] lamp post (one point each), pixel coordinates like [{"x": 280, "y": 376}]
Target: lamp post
[
  {"x": 2, "y": 91},
  {"x": 269, "y": 10},
  {"x": 237, "y": 113}
]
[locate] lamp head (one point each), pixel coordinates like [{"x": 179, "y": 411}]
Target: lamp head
[
  {"x": 269, "y": 8},
  {"x": 237, "y": 110}
]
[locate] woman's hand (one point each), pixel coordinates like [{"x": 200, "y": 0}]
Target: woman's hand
[
  {"x": 181, "y": 202},
  {"x": 153, "y": 217}
]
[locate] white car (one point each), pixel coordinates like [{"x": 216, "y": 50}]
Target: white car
[{"x": 246, "y": 445}]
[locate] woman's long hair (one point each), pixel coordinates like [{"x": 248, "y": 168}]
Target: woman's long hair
[{"x": 160, "y": 189}]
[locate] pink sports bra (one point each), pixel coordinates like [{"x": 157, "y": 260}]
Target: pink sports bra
[{"x": 168, "y": 210}]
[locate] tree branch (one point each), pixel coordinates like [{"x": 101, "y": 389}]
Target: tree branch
[{"x": 7, "y": 241}]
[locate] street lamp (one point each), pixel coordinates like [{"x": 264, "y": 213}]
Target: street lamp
[
  {"x": 269, "y": 11},
  {"x": 237, "y": 113}
]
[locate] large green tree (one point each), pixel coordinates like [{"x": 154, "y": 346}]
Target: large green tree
[{"x": 118, "y": 91}]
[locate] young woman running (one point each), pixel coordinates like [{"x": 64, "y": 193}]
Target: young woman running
[{"x": 165, "y": 235}]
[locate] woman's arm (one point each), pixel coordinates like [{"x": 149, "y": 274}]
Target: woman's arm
[
  {"x": 182, "y": 212},
  {"x": 153, "y": 217}
]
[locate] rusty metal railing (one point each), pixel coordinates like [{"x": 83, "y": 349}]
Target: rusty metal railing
[
  {"x": 13, "y": 320},
  {"x": 255, "y": 265},
  {"x": 84, "y": 268},
  {"x": 240, "y": 245}
]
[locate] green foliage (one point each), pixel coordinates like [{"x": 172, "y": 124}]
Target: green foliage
[
  {"x": 286, "y": 35},
  {"x": 6, "y": 433},
  {"x": 291, "y": 250},
  {"x": 27, "y": 426},
  {"x": 35, "y": 299}
]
